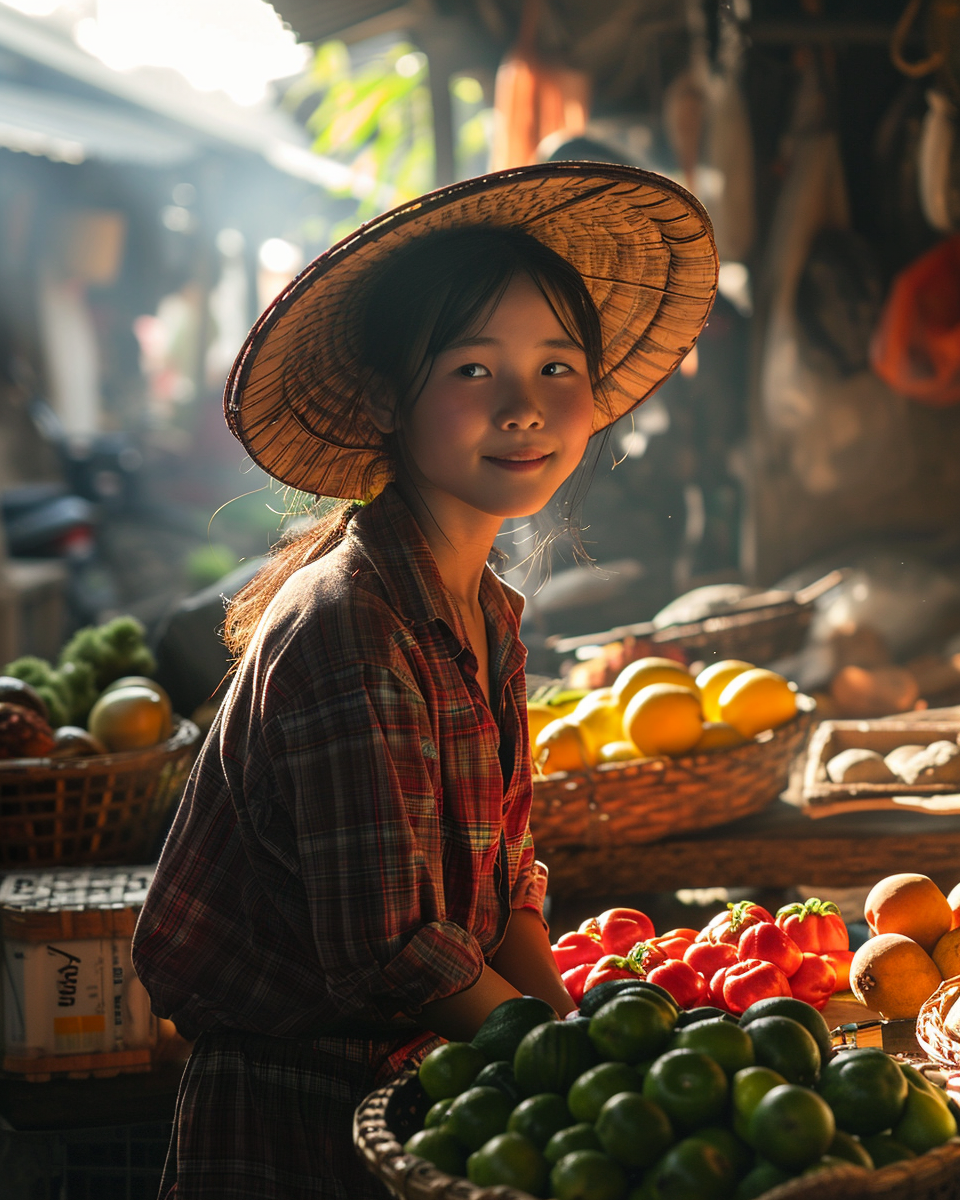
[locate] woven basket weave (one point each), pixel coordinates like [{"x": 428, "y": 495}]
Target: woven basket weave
[
  {"x": 584, "y": 823},
  {"x": 103, "y": 809},
  {"x": 387, "y": 1117}
]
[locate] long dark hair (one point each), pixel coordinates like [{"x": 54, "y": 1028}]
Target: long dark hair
[{"x": 427, "y": 296}]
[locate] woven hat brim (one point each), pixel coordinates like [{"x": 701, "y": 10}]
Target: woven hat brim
[{"x": 643, "y": 245}]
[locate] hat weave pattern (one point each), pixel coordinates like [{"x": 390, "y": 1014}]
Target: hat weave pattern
[{"x": 642, "y": 244}]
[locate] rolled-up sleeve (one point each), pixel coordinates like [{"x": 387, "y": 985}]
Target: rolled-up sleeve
[{"x": 361, "y": 796}]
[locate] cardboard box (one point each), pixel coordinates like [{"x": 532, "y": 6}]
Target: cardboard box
[{"x": 71, "y": 1000}]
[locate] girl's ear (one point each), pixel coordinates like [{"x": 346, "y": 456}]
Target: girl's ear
[{"x": 381, "y": 409}]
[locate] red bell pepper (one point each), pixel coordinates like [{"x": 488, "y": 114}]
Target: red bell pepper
[
  {"x": 815, "y": 925},
  {"x": 574, "y": 979},
  {"x": 709, "y": 957},
  {"x": 751, "y": 980},
  {"x": 672, "y": 946},
  {"x": 815, "y": 981},
  {"x": 572, "y": 949},
  {"x": 769, "y": 943},
  {"x": 728, "y": 926},
  {"x": 621, "y": 929},
  {"x": 714, "y": 995},
  {"x": 635, "y": 965},
  {"x": 840, "y": 960},
  {"x": 687, "y": 986}
]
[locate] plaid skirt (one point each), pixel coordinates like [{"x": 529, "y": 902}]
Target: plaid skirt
[{"x": 260, "y": 1118}]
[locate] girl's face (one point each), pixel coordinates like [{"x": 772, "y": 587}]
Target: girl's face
[{"x": 505, "y": 414}]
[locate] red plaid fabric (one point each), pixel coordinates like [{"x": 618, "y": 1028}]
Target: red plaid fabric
[{"x": 355, "y": 830}]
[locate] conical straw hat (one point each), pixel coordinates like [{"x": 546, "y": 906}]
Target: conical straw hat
[{"x": 643, "y": 245}]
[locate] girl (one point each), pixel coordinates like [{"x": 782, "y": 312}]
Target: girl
[{"x": 351, "y": 872}]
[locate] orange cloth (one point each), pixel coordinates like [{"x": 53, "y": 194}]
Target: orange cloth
[{"x": 916, "y": 347}]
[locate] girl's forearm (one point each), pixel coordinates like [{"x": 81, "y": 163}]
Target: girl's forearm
[
  {"x": 526, "y": 960},
  {"x": 457, "y": 1018}
]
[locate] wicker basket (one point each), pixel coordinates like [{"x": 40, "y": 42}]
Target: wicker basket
[
  {"x": 585, "y": 823},
  {"x": 387, "y": 1117},
  {"x": 103, "y": 809}
]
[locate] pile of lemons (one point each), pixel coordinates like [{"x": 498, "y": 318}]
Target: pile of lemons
[{"x": 656, "y": 707}]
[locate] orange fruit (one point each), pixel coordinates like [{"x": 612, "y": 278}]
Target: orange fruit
[
  {"x": 130, "y": 718},
  {"x": 619, "y": 752},
  {"x": 141, "y": 681},
  {"x": 539, "y": 717},
  {"x": 713, "y": 679},
  {"x": 663, "y": 718},
  {"x": 756, "y": 700},
  {"x": 560, "y": 747},
  {"x": 909, "y": 904},
  {"x": 946, "y": 954},
  {"x": 599, "y": 718},
  {"x": 644, "y": 671},
  {"x": 953, "y": 899},
  {"x": 717, "y": 735},
  {"x": 893, "y": 975}
]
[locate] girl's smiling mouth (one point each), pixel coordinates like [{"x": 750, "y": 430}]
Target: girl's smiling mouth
[{"x": 520, "y": 460}]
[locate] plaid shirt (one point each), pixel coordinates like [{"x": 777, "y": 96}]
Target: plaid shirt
[{"x": 355, "y": 830}]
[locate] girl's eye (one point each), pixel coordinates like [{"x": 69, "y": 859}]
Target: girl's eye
[
  {"x": 555, "y": 368},
  {"x": 473, "y": 371}
]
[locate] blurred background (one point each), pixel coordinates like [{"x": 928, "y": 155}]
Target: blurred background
[{"x": 168, "y": 166}]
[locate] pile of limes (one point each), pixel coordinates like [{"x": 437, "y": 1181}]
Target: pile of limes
[
  {"x": 642, "y": 1102},
  {"x": 656, "y": 707}
]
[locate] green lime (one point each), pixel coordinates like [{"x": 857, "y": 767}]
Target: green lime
[
  {"x": 883, "y": 1149},
  {"x": 786, "y": 1046},
  {"x": 477, "y": 1115},
  {"x": 918, "y": 1079},
  {"x": 830, "y": 1162},
  {"x": 924, "y": 1123},
  {"x": 865, "y": 1088},
  {"x": 593, "y": 1088},
  {"x": 850, "y": 1149},
  {"x": 705, "y": 1012},
  {"x": 633, "y": 1130},
  {"x": 726, "y": 1043},
  {"x": 582, "y": 1136},
  {"x": 440, "y": 1148},
  {"x": 552, "y": 1056},
  {"x": 499, "y": 1075},
  {"x": 760, "y": 1179},
  {"x": 734, "y": 1149},
  {"x": 511, "y": 1160},
  {"x": 796, "y": 1010},
  {"x": 747, "y": 1089},
  {"x": 450, "y": 1069},
  {"x": 540, "y": 1117},
  {"x": 690, "y": 1088},
  {"x": 630, "y": 1028},
  {"x": 694, "y": 1169},
  {"x": 500, "y": 1034},
  {"x": 437, "y": 1113},
  {"x": 792, "y": 1124},
  {"x": 587, "y": 1175}
]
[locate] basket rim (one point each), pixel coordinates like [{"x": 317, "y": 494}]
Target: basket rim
[
  {"x": 806, "y": 711},
  {"x": 378, "y": 1145},
  {"x": 185, "y": 734}
]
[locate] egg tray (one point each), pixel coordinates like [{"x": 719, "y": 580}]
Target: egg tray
[{"x": 102, "y": 809}]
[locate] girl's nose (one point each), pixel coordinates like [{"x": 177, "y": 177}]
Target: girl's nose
[{"x": 520, "y": 411}]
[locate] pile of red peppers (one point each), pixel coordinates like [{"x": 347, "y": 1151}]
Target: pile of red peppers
[{"x": 743, "y": 955}]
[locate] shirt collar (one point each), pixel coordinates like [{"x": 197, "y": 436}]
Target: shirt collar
[{"x": 390, "y": 537}]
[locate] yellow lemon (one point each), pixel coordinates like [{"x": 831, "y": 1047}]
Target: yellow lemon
[
  {"x": 713, "y": 679},
  {"x": 718, "y": 736},
  {"x": 599, "y": 718},
  {"x": 644, "y": 671},
  {"x": 619, "y": 752},
  {"x": 538, "y": 717},
  {"x": 560, "y": 747},
  {"x": 756, "y": 700},
  {"x": 663, "y": 718}
]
